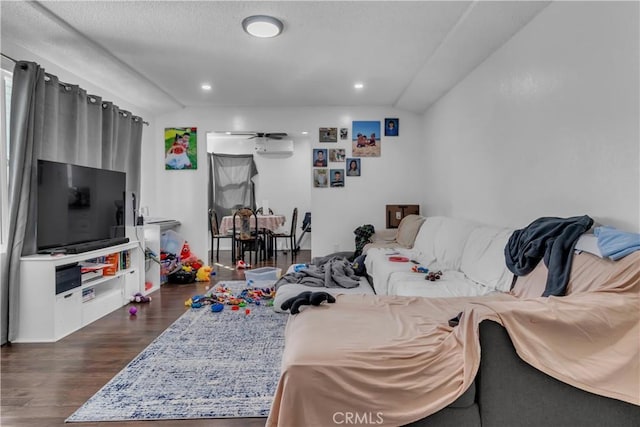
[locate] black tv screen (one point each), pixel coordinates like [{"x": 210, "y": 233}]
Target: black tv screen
[{"x": 78, "y": 204}]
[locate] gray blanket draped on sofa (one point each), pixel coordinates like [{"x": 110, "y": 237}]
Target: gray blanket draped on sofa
[
  {"x": 332, "y": 272},
  {"x": 551, "y": 239}
]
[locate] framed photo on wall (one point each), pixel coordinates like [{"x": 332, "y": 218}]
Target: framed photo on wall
[
  {"x": 328, "y": 135},
  {"x": 181, "y": 148},
  {"x": 337, "y": 154},
  {"x": 319, "y": 158},
  {"x": 344, "y": 133},
  {"x": 391, "y": 127},
  {"x": 320, "y": 178},
  {"x": 353, "y": 167},
  {"x": 337, "y": 177},
  {"x": 365, "y": 139}
]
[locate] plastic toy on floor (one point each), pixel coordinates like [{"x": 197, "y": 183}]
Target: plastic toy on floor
[
  {"x": 419, "y": 269},
  {"x": 138, "y": 297},
  {"x": 242, "y": 265},
  {"x": 221, "y": 295}
]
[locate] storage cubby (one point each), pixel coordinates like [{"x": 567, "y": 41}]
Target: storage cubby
[{"x": 53, "y": 303}]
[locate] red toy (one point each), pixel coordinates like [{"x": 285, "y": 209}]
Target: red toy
[
  {"x": 188, "y": 258},
  {"x": 186, "y": 251}
]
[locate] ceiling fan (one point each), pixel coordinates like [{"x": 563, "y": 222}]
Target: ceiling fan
[{"x": 268, "y": 135}]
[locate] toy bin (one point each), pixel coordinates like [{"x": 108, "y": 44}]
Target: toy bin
[
  {"x": 171, "y": 242},
  {"x": 263, "y": 273}
]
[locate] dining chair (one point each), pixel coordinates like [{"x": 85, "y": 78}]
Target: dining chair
[
  {"x": 214, "y": 228},
  {"x": 245, "y": 235},
  {"x": 291, "y": 236},
  {"x": 266, "y": 233}
]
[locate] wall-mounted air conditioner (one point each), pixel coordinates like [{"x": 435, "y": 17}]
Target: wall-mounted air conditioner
[{"x": 273, "y": 146}]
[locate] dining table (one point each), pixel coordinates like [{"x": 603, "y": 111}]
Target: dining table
[{"x": 265, "y": 222}]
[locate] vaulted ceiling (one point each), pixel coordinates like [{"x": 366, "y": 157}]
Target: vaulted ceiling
[{"x": 157, "y": 54}]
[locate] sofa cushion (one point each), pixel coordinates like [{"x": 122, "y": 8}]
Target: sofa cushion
[
  {"x": 451, "y": 284},
  {"x": 441, "y": 240},
  {"x": 379, "y": 245},
  {"x": 385, "y": 235},
  {"x": 380, "y": 269},
  {"x": 408, "y": 229},
  {"x": 483, "y": 257}
]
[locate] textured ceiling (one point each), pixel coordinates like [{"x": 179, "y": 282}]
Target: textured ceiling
[{"x": 156, "y": 54}]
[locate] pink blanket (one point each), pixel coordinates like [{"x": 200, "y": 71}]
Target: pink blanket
[{"x": 393, "y": 360}]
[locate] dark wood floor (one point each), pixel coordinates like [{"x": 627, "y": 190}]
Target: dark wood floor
[{"x": 42, "y": 384}]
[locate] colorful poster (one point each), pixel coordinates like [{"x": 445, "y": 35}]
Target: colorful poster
[{"x": 181, "y": 148}]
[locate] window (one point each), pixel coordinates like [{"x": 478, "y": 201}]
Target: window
[{"x": 5, "y": 112}]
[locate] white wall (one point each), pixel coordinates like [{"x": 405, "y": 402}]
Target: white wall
[
  {"x": 547, "y": 126},
  {"x": 286, "y": 182}
]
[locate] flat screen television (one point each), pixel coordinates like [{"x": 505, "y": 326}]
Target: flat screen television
[{"x": 78, "y": 204}]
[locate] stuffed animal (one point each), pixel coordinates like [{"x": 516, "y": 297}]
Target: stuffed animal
[
  {"x": 138, "y": 297},
  {"x": 188, "y": 258},
  {"x": 306, "y": 298},
  {"x": 203, "y": 274},
  {"x": 185, "y": 253}
]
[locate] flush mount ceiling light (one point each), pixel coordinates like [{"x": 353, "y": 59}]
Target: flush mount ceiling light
[{"x": 262, "y": 26}]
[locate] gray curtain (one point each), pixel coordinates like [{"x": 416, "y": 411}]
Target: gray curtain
[
  {"x": 230, "y": 182},
  {"x": 56, "y": 121}
]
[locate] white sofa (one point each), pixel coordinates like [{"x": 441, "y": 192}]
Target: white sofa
[{"x": 470, "y": 256}]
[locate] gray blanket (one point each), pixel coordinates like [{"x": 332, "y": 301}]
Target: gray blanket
[{"x": 331, "y": 272}]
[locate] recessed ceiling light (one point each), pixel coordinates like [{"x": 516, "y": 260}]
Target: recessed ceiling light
[
  {"x": 206, "y": 86},
  {"x": 262, "y": 26},
  {"x": 358, "y": 85},
  {"x": 304, "y": 132}
]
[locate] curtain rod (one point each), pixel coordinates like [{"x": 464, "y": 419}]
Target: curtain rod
[
  {"x": 8, "y": 57},
  {"x": 11, "y": 59}
]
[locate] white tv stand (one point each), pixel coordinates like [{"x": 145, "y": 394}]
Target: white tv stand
[{"x": 45, "y": 316}]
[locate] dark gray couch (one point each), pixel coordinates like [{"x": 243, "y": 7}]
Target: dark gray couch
[{"x": 508, "y": 392}]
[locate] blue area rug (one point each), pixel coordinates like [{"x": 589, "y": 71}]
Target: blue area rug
[{"x": 205, "y": 365}]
